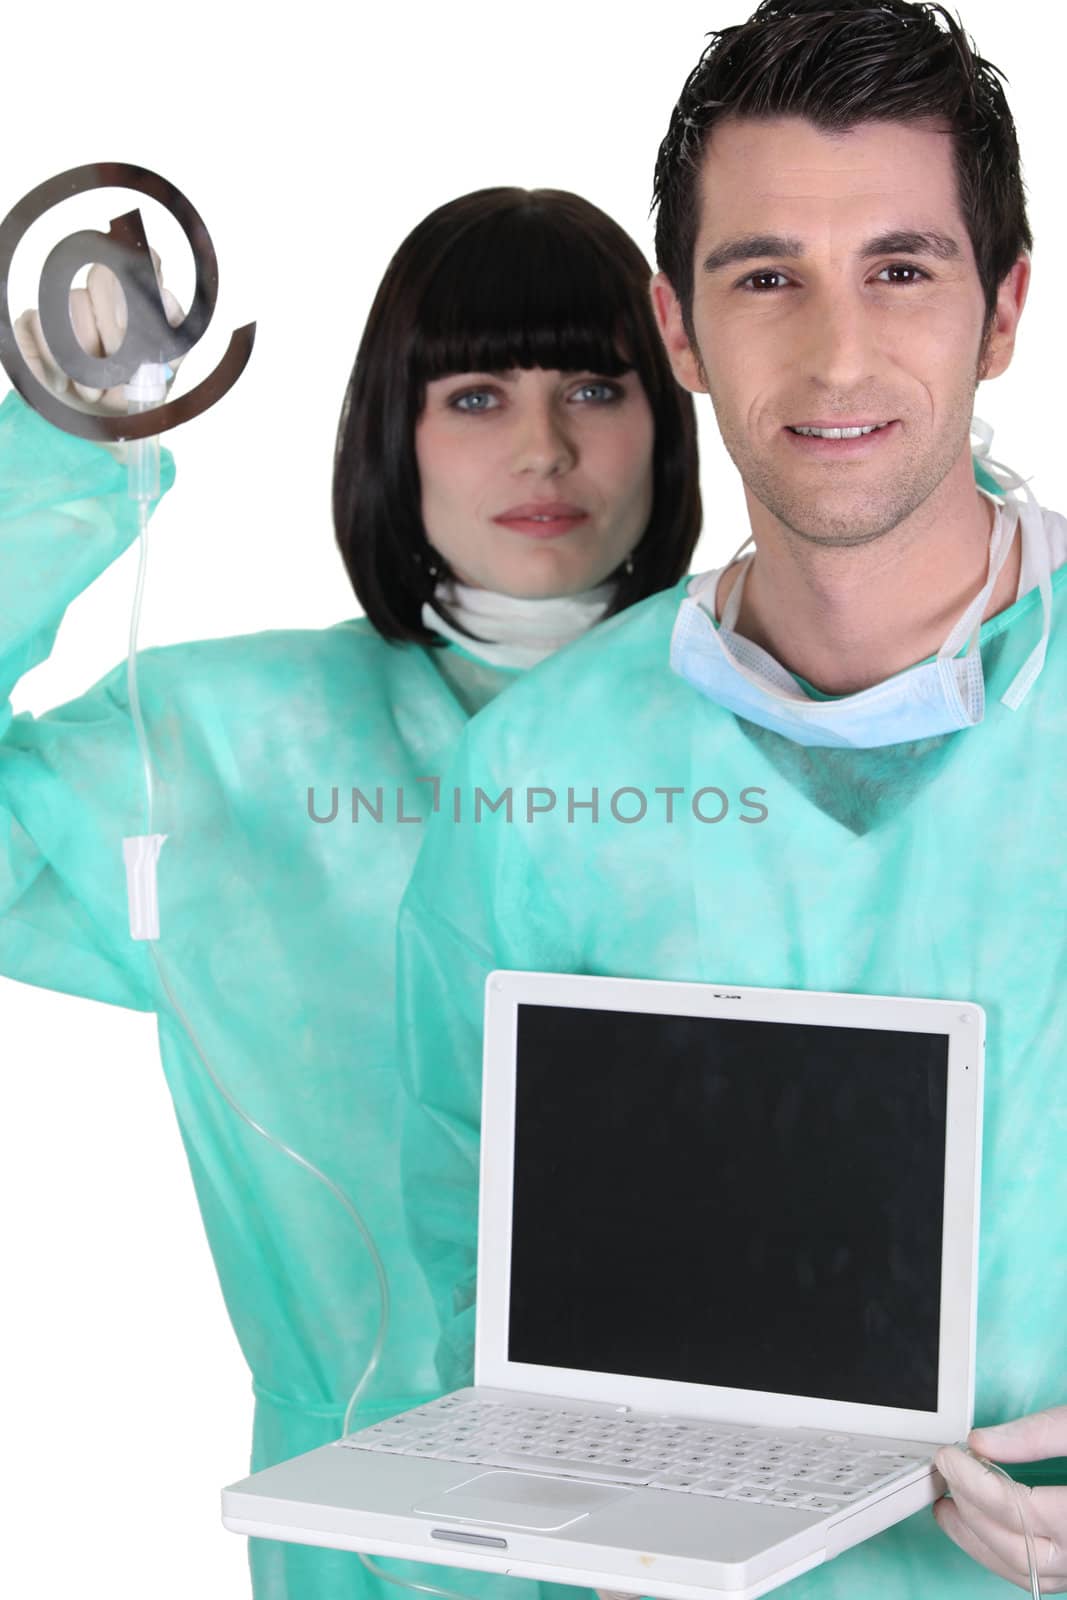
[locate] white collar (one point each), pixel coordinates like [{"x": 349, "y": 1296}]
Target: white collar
[{"x": 512, "y": 632}]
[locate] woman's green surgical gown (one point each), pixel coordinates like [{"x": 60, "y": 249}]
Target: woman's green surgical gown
[
  {"x": 936, "y": 869},
  {"x": 277, "y": 937}
]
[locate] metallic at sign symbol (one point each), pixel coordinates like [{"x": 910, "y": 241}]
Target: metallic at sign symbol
[{"x": 149, "y": 337}]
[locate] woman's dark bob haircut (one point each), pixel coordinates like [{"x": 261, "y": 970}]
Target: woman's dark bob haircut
[
  {"x": 839, "y": 63},
  {"x": 498, "y": 279}
]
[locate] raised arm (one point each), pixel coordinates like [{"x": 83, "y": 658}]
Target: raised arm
[{"x": 70, "y": 781}]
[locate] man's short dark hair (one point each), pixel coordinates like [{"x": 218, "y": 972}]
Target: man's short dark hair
[
  {"x": 497, "y": 279},
  {"x": 839, "y": 63}
]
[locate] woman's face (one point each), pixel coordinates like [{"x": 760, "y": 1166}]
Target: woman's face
[{"x": 535, "y": 483}]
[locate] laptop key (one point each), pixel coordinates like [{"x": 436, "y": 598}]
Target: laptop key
[
  {"x": 838, "y": 1492},
  {"x": 874, "y": 1480},
  {"x": 686, "y": 1482},
  {"x": 459, "y": 1453}
]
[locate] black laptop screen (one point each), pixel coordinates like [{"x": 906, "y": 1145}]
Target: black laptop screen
[{"x": 753, "y": 1205}]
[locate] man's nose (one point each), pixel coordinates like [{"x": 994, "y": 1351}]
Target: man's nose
[
  {"x": 839, "y": 349},
  {"x": 544, "y": 445}
]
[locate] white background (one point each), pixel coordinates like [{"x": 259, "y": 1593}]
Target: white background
[{"x": 311, "y": 146}]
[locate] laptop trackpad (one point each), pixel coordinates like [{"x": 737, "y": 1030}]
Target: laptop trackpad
[{"x": 520, "y": 1500}]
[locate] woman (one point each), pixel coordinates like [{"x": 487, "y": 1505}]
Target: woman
[{"x": 514, "y": 462}]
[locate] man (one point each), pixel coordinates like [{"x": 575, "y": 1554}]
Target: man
[{"x": 807, "y": 800}]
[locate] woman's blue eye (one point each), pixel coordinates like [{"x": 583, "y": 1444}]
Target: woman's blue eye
[
  {"x": 600, "y": 390},
  {"x": 475, "y": 400}
]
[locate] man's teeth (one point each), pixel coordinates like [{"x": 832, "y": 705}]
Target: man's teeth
[{"x": 840, "y": 433}]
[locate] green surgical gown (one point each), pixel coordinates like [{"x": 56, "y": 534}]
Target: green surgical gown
[
  {"x": 277, "y": 937},
  {"x": 935, "y": 869}
]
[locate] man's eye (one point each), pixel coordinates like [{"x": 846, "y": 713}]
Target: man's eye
[
  {"x": 759, "y": 278},
  {"x": 905, "y": 266},
  {"x": 474, "y": 400},
  {"x": 598, "y": 390}
]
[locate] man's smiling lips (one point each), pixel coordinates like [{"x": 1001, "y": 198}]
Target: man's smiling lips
[
  {"x": 542, "y": 519},
  {"x": 828, "y": 445}
]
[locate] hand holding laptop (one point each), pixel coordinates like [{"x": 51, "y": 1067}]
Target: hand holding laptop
[{"x": 982, "y": 1516}]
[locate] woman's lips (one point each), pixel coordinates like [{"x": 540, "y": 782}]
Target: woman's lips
[{"x": 541, "y": 520}]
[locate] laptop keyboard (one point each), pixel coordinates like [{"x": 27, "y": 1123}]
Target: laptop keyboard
[{"x": 814, "y": 1472}]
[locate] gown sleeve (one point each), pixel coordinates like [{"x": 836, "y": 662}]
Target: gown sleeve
[
  {"x": 70, "y": 781},
  {"x": 441, "y": 984},
  {"x": 472, "y": 882}
]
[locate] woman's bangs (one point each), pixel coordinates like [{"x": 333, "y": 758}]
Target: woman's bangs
[{"x": 519, "y": 292}]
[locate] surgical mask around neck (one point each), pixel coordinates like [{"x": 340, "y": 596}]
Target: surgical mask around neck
[
  {"x": 512, "y": 632},
  {"x": 933, "y": 698}
]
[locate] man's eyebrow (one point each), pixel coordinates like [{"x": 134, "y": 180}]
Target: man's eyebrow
[
  {"x": 900, "y": 241},
  {"x": 751, "y": 247},
  {"x": 914, "y": 242}
]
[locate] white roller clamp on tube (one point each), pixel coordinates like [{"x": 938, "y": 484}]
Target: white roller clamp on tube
[{"x": 146, "y": 389}]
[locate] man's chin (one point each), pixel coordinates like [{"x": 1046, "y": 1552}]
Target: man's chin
[{"x": 840, "y": 525}]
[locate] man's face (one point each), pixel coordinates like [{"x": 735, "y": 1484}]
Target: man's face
[{"x": 834, "y": 286}]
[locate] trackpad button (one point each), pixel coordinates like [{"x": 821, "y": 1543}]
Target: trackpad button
[{"x": 520, "y": 1500}]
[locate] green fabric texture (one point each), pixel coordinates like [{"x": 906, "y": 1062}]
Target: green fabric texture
[
  {"x": 985, "y": 480},
  {"x": 930, "y": 869},
  {"x": 277, "y": 937}
]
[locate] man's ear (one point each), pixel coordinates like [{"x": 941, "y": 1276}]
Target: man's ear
[
  {"x": 685, "y": 363},
  {"x": 999, "y": 345}
]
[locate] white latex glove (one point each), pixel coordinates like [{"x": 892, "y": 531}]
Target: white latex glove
[
  {"x": 982, "y": 1516},
  {"x": 98, "y": 316}
]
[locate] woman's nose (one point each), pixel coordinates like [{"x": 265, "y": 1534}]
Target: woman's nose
[{"x": 543, "y": 443}]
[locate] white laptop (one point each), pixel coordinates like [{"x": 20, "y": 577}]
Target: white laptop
[{"x": 726, "y": 1295}]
